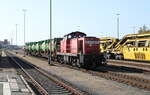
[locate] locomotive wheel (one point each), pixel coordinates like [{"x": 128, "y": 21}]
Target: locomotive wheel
[
  {"x": 73, "y": 62},
  {"x": 93, "y": 66},
  {"x": 61, "y": 60},
  {"x": 78, "y": 64}
]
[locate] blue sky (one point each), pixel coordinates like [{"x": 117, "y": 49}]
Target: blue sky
[{"x": 95, "y": 17}]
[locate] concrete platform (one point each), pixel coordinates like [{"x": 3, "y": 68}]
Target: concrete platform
[
  {"x": 10, "y": 82},
  {"x": 13, "y": 84}
]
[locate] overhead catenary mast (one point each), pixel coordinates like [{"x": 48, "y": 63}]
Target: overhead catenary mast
[
  {"x": 50, "y": 34},
  {"x": 24, "y": 10},
  {"x": 16, "y": 34}
]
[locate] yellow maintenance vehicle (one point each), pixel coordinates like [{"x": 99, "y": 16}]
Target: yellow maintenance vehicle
[
  {"x": 118, "y": 50},
  {"x": 137, "y": 49},
  {"x": 107, "y": 44}
]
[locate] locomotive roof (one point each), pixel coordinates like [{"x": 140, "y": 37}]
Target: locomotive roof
[
  {"x": 90, "y": 37},
  {"x": 76, "y": 32}
]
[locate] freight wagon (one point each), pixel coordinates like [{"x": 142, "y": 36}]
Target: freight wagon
[{"x": 42, "y": 48}]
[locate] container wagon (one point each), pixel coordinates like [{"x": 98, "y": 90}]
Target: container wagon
[{"x": 42, "y": 48}]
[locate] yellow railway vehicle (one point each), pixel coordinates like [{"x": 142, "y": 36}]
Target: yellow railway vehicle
[
  {"x": 117, "y": 51},
  {"x": 137, "y": 49},
  {"x": 107, "y": 43}
]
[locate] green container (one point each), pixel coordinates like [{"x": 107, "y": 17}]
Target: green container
[
  {"x": 33, "y": 46},
  {"x": 42, "y": 46},
  {"x": 47, "y": 45},
  {"x": 56, "y": 44},
  {"x": 37, "y": 47},
  {"x": 28, "y": 46}
]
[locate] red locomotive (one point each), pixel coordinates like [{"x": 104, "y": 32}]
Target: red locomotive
[{"x": 79, "y": 50}]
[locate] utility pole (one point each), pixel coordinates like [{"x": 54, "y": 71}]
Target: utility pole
[
  {"x": 50, "y": 34},
  {"x": 11, "y": 41},
  {"x": 24, "y": 10},
  {"x": 12, "y": 38},
  {"x": 118, "y": 25},
  {"x": 16, "y": 34}
]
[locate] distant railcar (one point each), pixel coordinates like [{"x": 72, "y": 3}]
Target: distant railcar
[{"x": 79, "y": 50}]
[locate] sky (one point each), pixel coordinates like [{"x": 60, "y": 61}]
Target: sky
[{"x": 93, "y": 17}]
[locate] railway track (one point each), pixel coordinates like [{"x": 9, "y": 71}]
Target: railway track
[
  {"x": 115, "y": 76},
  {"x": 134, "y": 81},
  {"x": 142, "y": 65},
  {"x": 44, "y": 83}
]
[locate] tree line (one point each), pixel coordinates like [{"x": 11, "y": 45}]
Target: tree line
[{"x": 144, "y": 29}]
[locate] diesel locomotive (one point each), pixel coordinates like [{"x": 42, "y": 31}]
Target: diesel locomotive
[{"x": 75, "y": 49}]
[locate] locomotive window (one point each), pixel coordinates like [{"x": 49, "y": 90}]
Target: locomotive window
[
  {"x": 141, "y": 43},
  {"x": 130, "y": 44}
]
